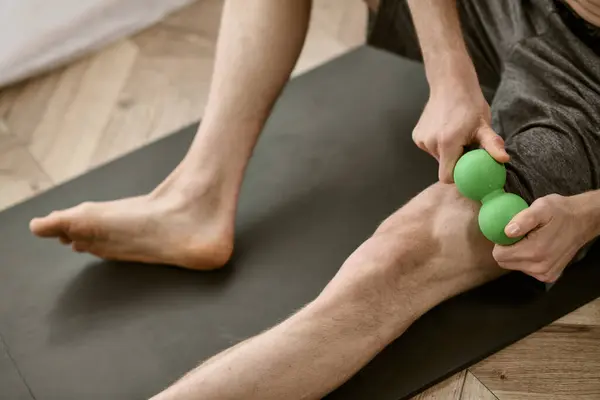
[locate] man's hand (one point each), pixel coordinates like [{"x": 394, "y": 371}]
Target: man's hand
[
  {"x": 455, "y": 117},
  {"x": 554, "y": 236},
  {"x": 457, "y": 114}
]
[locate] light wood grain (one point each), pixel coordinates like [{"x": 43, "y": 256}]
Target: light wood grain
[
  {"x": 166, "y": 90},
  {"x": 80, "y": 112},
  {"x": 334, "y": 29},
  {"x": 201, "y": 18},
  {"x": 473, "y": 389},
  {"x": 29, "y": 105},
  {"x": 559, "y": 362},
  {"x": 20, "y": 175},
  {"x": 586, "y": 315},
  {"x": 450, "y": 389}
]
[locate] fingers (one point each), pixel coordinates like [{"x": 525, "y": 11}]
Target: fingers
[
  {"x": 535, "y": 262},
  {"x": 52, "y": 225},
  {"x": 492, "y": 143},
  {"x": 429, "y": 146},
  {"x": 450, "y": 152},
  {"x": 549, "y": 277},
  {"x": 524, "y": 222},
  {"x": 79, "y": 247},
  {"x": 64, "y": 239},
  {"x": 528, "y": 220},
  {"x": 515, "y": 257}
]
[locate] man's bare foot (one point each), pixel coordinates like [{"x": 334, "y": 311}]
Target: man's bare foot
[{"x": 162, "y": 228}]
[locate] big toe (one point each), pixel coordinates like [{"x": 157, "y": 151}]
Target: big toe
[{"x": 51, "y": 225}]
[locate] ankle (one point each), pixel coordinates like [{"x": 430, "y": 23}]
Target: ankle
[{"x": 185, "y": 187}]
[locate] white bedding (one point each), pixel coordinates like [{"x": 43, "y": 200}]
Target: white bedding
[{"x": 38, "y": 34}]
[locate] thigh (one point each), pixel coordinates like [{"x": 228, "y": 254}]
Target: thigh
[
  {"x": 490, "y": 30},
  {"x": 546, "y": 107}
]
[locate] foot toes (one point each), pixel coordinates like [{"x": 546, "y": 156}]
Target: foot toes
[
  {"x": 49, "y": 226},
  {"x": 65, "y": 239},
  {"x": 79, "y": 247},
  {"x": 57, "y": 223}
]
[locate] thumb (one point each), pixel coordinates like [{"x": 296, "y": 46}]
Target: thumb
[
  {"x": 492, "y": 143},
  {"x": 449, "y": 155},
  {"x": 524, "y": 222}
]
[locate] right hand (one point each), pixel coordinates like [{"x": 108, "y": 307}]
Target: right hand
[{"x": 455, "y": 117}]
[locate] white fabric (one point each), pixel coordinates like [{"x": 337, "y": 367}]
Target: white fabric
[{"x": 38, "y": 34}]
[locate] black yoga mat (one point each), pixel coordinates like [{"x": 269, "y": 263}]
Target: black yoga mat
[
  {"x": 334, "y": 161},
  {"x": 12, "y": 385}
]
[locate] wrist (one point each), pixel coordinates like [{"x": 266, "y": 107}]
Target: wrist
[
  {"x": 214, "y": 124},
  {"x": 451, "y": 70},
  {"x": 587, "y": 209}
]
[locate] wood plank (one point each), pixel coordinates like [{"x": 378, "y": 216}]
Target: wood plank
[
  {"x": 473, "y": 389},
  {"x": 7, "y": 98},
  {"x": 182, "y": 65},
  {"x": 20, "y": 176},
  {"x": 344, "y": 21},
  {"x": 167, "y": 89},
  {"x": 352, "y": 31},
  {"x": 449, "y": 389},
  {"x": 201, "y": 17},
  {"x": 320, "y": 46},
  {"x": 43, "y": 139},
  {"x": 559, "y": 362},
  {"x": 586, "y": 315},
  {"x": 66, "y": 138},
  {"x": 30, "y": 105}
]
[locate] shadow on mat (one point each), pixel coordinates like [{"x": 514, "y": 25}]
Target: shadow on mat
[{"x": 106, "y": 295}]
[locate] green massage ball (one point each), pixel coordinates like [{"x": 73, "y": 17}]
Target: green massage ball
[{"x": 481, "y": 178}]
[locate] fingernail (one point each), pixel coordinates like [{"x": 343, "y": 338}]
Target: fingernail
[{"x": 512, "y": 229}]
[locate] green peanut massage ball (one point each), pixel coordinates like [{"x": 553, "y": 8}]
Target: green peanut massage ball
[{"x": 481, "y": 178}]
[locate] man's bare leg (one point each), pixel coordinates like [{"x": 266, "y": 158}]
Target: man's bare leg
[
  {"x": 429, "y": 250},
  {"x": 188, "y": 219}
]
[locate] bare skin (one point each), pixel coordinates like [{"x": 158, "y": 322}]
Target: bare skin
[
  {"x": 426, "y": 252},
  {"x": 379, "y": 290},
  {"x": 188, "y": 220},
  {"x": 587, "y": 9},
  {"x": 429, "y": 250}
]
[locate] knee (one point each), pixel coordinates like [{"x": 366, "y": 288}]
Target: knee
[
  {"x": 438, "y": 226},
  {"x": 427, "y": 251},
  {"x": 430, "y": 221},
  {"x": 372, "y": 4}
]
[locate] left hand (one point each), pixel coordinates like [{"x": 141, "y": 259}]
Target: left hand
[{"x": 553, "y": 239}]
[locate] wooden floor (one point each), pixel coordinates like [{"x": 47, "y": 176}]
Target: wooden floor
[{"x": 59, "y": 125}]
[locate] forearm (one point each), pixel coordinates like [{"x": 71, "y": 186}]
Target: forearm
[
  {"x": 259, "y": 43},
  {"x": 588, "y": 210},
  {"x": 447, "y": 61}
]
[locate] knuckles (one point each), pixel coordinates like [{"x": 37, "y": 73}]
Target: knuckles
[
  {"x": 536, "y": 257},
  {"x": 546, "y": 278},
  {"x": 547, "y": 202},
  {"x": 540, "y": 268},
  {"x": 446, "y": 140}
]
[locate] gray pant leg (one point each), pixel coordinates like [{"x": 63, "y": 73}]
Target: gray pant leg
[
  {"x": 548, "y": 98},
  {"x": 489, "y": 28},
  {"x": 547, "y": 109}
]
